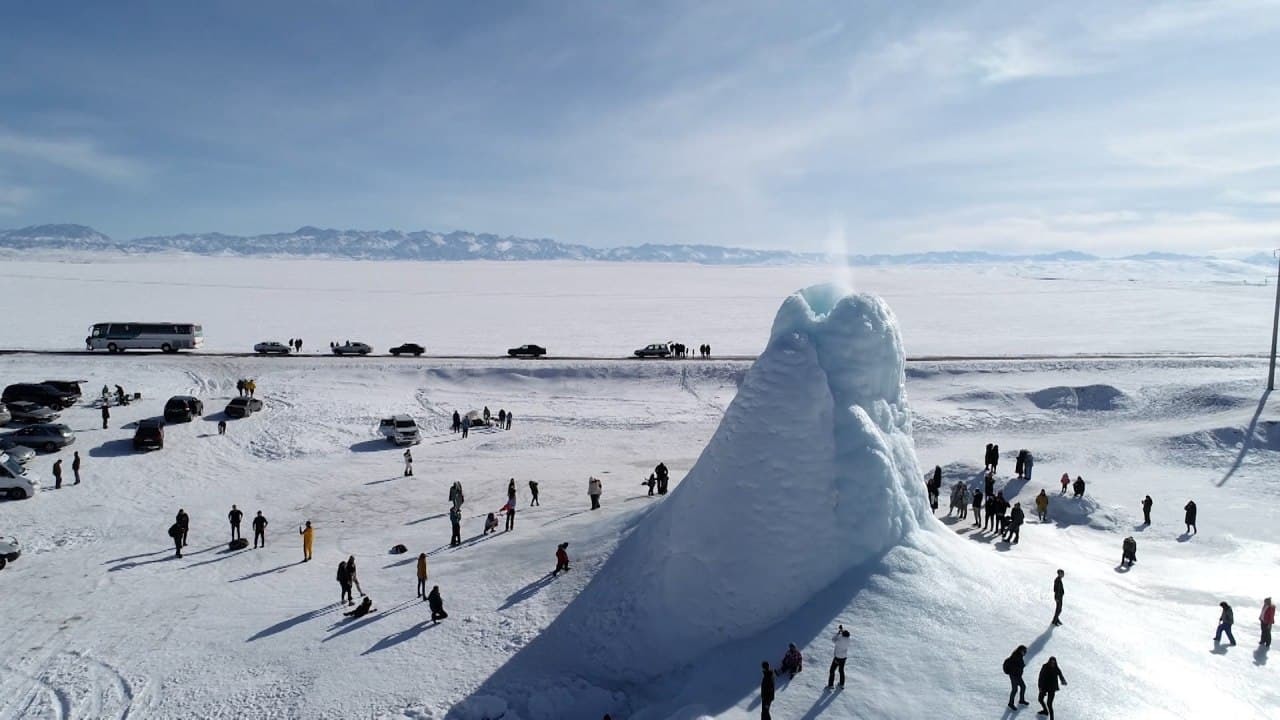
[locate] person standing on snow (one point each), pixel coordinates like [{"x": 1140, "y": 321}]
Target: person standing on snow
[
  {"x": 1190, "y": 517},
  {"x": 995, "y": 458},
  {"x": 457, "y": 421},
  {"x": 1078, "y": 486},
  {"x": 502, "y": 419},
  {"x": 106, "y": 415},
  {"x": 1267, "y": 618},
  {"x": 991, "y": 506},
  {"x": 222, "y": 427},
  {"x": 989, "y": 484},
  {"x": 1013, "y": 667},
  {"x": 511, "y": 514},
  {"x": 455, "y": 519},
  {"x": 308, "y": 537},
  {"x": 75, "y": 466},
  {"x": 1066, "y": 482},
  {"x": 838, "y": 656},
  {"x": 466, "y": 428},
  {"x": 234, "y": 518},
  {"x": 344, "y": 582},
  {"x": 422, "y": 576},
  {"x": 1027, "y": 463},
  {"x": 1225, "y": 621},
  {"x": 511, "y": 492},
  {"x": 1128, "y": 552},
  {"x": 977, "y": 507},
  {"x": 1042, "y": 506},
  {"x": 986, "y": 460},
  {"x": 455, "y": 494},
  {"x": 175, "y": 532},
  {"x": 562, "y": 559},
  {"x": 436, "y": 604},
  {"x": 184, "y": 522},
  {"x": 594, "y": 490},
  {"x": 486, "y": 414},
  {"x": 57, "y": 474},
  {"x": 509, "y": 417},
  {"x": 259, "y": 530},
  {"x": 1058, "y": 592},
  {"x": 351, "y": 572},
  {"x": 1146, "y": 510},
  {"x": 1050, "y": 676},
  {"x": 1013, "y": 529},
  {"x": 766, "y": 690},
  {"x": 533, "y": 493},
  {"x": 1019, "y": 463},
  {"x": 408, "y": 463}
]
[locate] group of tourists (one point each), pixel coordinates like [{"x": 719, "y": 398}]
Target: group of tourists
[{"x": 246, "y": 388}]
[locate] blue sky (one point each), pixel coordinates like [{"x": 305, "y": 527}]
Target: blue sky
[{"x": 873, "y": 127}]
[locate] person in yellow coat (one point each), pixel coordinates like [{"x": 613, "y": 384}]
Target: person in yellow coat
[
  {"x": 422, "y": 575},
  {"x": 1042, "y": 506},
  {"x": 308, "y": 537}
]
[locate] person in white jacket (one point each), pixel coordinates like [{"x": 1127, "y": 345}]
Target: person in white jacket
[
  {"x": 594, "y": 489},
  {"x": 841, "y": 640}
]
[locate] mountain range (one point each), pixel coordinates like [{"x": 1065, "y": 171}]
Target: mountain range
[{"x": 425, "y": 245}]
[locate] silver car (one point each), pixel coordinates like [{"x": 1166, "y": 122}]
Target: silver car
[
  {"x": 271, "y": 346},
  {"x": 352, "y": 348},
  {"x": 21, "y": 453},
  {"x": 29, "y": 412},
  {"x": 44, "y": 436}
]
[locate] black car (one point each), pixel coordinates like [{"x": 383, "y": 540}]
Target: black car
[
  {"x": 40, "y": 394},
  {"x": 413, "y": 349},
  {"x": 182, "y": 408},
  {"x": 243, "y": 407},
  {"x": 149, "y": 435},
  {"x": 659, "y": 350},
  {"x": 527, "y": 351},
  {"x": 71, "y": 387},
  {"x": 29, "y": 412}
]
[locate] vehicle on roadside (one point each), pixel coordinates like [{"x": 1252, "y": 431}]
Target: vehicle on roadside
[
  {"x": 352, "y": 348},
  {"x": 149, "y": 435},
  {"x": 413, "y": 349},
  {"x": 16, "y": 481},
  {"x": 10, "y": 549},
  {"x": 43, "y": 436},
  {"x": 21, "y": 453},
  {"x": 169, "y": 337},
  {"x": 243, "y": 407},
  {"x": 271, "y": 346},
  {"x": 23, "y": 411},
  {"x": 182, "y": 408},
  {"x": 40, "y": 394},
  {"x": 475, "y": 418},
  {"x": 71, "y": 387},
  {"x": 531, "y": 351},
  {"x": 659, "y": 350},
  {"x": 400, "y": 429}
]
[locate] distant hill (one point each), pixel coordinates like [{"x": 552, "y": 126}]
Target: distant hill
[{"x": 425, "y": 245}]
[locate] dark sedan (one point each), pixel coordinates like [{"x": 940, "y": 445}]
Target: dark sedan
[
  {"x": 44, "y": 436},
  {"x": 182, "y": 408},
  {"x": 243, "y": 407},
  {"x": 29, "y": 412},
  {"x": 413, "y": 349},
  {"x": 532, "y": 351},
  {"x": 149, "y": 435}
]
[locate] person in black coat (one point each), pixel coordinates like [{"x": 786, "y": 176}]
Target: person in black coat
[
  {"x": 1050, "y": 676},
  {"x": 1191, "y": 517},
  {"x": 986, "y": 460},
  {"x": 1013, "y": 528},
  {"x": 1013, "y": 667},
  {"x": 234, "y": 518},
  {"x": 436, "y": 604},
  {"x": 106, "y": 414},
  {"x": 364, "y": 608},
  {"x": 57, "y": 474},
  {"x": 175, "y": 532},
  {"x": 1058, "y": 592},
  {"x": 457, "y": 421},
  {"x": 766, "y": 690},
  {"x": 344, "y": 582},
  {"x": 259, "y": 530},
  {"x": 1146, "y": 510},
  {"x": 989, "y": 484},
  {"x": 1078, "y": 486},
  {"x": 977, "y": 507},
  {"x": 184, "y": 523}
]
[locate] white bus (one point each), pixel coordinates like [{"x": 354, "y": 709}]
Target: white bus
[{"x": 169, "y": 337}]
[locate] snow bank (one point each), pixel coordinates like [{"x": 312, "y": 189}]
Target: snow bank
[{"x": 811, "y": 472}]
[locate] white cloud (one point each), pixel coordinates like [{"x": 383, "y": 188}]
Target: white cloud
[
  {"x": 79, "y": 155},
  {"x": 14, "y": 198}
]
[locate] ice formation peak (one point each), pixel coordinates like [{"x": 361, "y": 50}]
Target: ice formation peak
[{"x": 811, "y": 474}]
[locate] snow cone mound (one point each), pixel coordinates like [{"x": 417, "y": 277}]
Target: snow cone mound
[{"x": 811, "y": 473}]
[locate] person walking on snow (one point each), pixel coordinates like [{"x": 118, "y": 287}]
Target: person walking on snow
[
  {"x": 533, "y": 493},
  {"x": 408, "y": 463},
  {"x": 436, "y": 604},
  {"x": 175, "y": 532},
  {"x": 766, "y": 690},
  {"x": 344, "y": 582},
  {"x": 594, "y": 490},
  {"x": 455, "y": 494},
  {"x": 1042, "y": 506},
  {"x": 222, "y": 427},
  {"x": 511, "y": 514},
  {"x": 1013, "y": 667},
  {"x": 57, "y": 474},
  {"x": 1078, "y": 486},
  {"x": 308, "y": 538},
  {"x": 1128, "y": 552},
  {"x": 106, "y": 415},
  {"x": 1066, "y": 482},
  {"x": 1225, "y": 621},
  {"x": 1058, "y": 592},
  {"x": 1013, "y": 529},
  {"x": 838, "y": 656},
  {"x": 259, "y": 530},
  {"x": 1267, "y": 618},
  {"x": 184, "y": 522},
  {"x": 1146, "y": 510},
  {"x": 562, "y": 559},
  {"x": 422, "y": 576},
  {"x": 1190, "y": 517},
  {"x": 351, "y": 572},
  {"x": 1050, "y": 676},
  {"x": 75, "y": 466},
  {"x": 234, "y": 518},
  {"x": 455, "y": 519}
]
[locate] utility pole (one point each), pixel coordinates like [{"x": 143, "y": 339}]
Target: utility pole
[{"x": 1275, "y": 327}]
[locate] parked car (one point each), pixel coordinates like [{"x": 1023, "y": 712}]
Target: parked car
[
  {"x": 149, "y": 435},
  {"x": 475, "y": 418},
  {"x": 654, "y": 350},
  {"x": 352, "y": 348},
  {"x": 9, "y": 550},
  {"x": 243, "y": 407},
  {"x": 527, "y": 351},
  {"x": 413, "y": 349},
  {"x": 40, "y": 394},
  {"x": 22, "y": 411},
  {"x": 21, "y": 453},
  {"x": 271, "y": 346},
  {"x": 16, "y": 481},
  {"x": 182, "y": 408},
  {"x": 400, "y": 429},
  {"x": 71, "y": 387},
  {"x": 5, "y": 417},
  {"x": 43, "y": 436}
]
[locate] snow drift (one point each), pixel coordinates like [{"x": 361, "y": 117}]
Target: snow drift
[{"x": 811, "y": 472}]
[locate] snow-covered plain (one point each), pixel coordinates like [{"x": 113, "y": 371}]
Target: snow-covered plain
[{"x": 102, "y": 622}]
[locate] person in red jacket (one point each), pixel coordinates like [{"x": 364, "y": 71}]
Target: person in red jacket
[
  {"x": 1267, "y": 618},
  {"x": 562, "y": 558}
]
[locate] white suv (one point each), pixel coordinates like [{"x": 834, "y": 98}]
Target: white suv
[
  {"x": 16, "y": 481},
  {"x": 9, "y": 550},
  {"x": 400, "y": 429}
]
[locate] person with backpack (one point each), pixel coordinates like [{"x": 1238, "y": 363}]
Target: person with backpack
[
  {"x": 436, "y": 604},
  {"x": 766, "y": 690},
  {"x": 562, "y": 559},
  {"x": 1042, "y": 506},
  {"x": 533, "y": 493},
  {"x": 422, "y": 576},
  {"x": 184, "y": 522},
  {"x": 594, "y": 490},
  {"x": 308, "y": 538},
  {"x": 1013, "y": 667},
  {"x": 1058, "y": 592},
  {"x": 1050, "y": 677},
  {"x": 234, "y": 518},
  {"x": 1225, "y": 620},
  {"x": 455, "y": 520},
  {"x": 1267, "y": 618},
  {"x": 1190, "y": 517},
  {"x": 259, "y": 530},
  {"x": 839, "y": 654},
  {"x": 344, "y": 582},
  {"x": 1146, "y": 510}
]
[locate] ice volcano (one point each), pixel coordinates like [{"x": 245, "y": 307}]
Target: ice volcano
[{"x": 811, "y": 473}]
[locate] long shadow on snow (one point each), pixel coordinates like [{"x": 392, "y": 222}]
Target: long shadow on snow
[
  {"x": 545, "y": 662},
  {"x": 223, "y": 554},
  {"x": 260, "y": 573},
  {"x": 166, "y": 558},
  {"x": 372, "y": 446},
  {"x": 425, "y": 519},
  {"x": 396, "y": 638},
  {"x": 527, "y": 591},
  {"x": 1247, "y": 443},
  {"x": 113, "y": 448},
  {"x": 295, "y": 620},
  {"x": 346, "y": 625}
]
